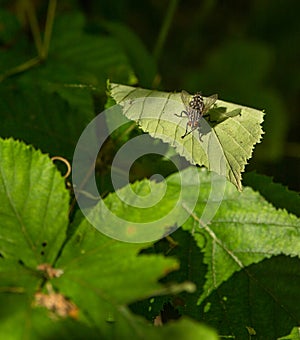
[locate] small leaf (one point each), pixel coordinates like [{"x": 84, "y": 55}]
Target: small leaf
[{"x": 224, "y": 146}]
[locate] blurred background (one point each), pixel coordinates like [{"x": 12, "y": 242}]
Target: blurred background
[{"x": 245, "y": 51}]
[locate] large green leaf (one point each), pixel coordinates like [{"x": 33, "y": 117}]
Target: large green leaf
[
  {"x": 223, "y": 148},
  {"x": 34, "y": 205},
  {"x": 111, "y": 275},
  {"x": 99, "y": 276},
  {"x": 245, "y": 229}
]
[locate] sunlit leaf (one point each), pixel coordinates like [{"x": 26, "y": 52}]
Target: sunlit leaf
[
  {"x": 294, "y": 335},
  {"x": 34, "y": 204},
  {"x": 223, "y": 147}
]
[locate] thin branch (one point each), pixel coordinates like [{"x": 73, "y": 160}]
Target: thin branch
[
  {"x": 165, "y": 29},
  {"x": 48, "y": 28}
]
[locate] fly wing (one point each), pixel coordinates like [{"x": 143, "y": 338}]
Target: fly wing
[
  {"x": 185, "y": 97},
  {"x": 209, "y": 102}
]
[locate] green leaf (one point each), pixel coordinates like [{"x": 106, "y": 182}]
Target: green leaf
[
  {"x": 44, "y": 119},
  {"x": 21, "y": 319},
  {"x": 144, "y": 211},
  {"x": 262, "y": 298},
  {"x": 245, "y": 229},
  {"x": 111, "y": 275},
  {"x": 99, "y": 276},
  {"x": 224, "y": 146},
  {"x": 294, "y": 335},
  {"x": 276, "y": 193},
  {"x": 34, "y": 205},
  {"x": 185, "y": 329}
]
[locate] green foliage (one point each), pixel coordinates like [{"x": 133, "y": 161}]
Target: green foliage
[
  {"x": 33, "y": 217},
  {"x": 235, "y": 273},
  {"x": 107, "y": 270}
]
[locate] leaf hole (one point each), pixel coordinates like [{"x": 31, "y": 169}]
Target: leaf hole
[{"x": 44, "y": 244}]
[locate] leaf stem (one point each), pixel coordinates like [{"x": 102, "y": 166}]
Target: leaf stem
[
  {"x": 34, "y": 26},
  {"x": 165, "y": 29},
  {"x": 48, "y": 28},
  {"x": 42, "y": 46},
  {"x": 21, "y": 68}
]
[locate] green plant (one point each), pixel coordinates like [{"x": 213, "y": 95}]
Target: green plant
[{"x": 237, "y": 276}]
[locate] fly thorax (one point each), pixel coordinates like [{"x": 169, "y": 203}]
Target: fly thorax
[{"x": 196, "y": 102}]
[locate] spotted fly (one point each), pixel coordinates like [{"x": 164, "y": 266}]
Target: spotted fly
[{"x": 195, "y": 109}]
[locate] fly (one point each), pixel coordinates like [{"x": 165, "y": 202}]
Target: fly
[{"x": 195, "y": 109}]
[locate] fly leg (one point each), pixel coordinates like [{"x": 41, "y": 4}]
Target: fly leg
[
  {"x": 186, "y": 130},
  {"x": 181, "y": 114},
  {"x": 187, "y": 124}
]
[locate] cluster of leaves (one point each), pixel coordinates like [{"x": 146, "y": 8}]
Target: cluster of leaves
[{"x": 60, "y": 277}]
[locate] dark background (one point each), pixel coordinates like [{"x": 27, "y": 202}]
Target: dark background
[{"x": 246, "y": 51}]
